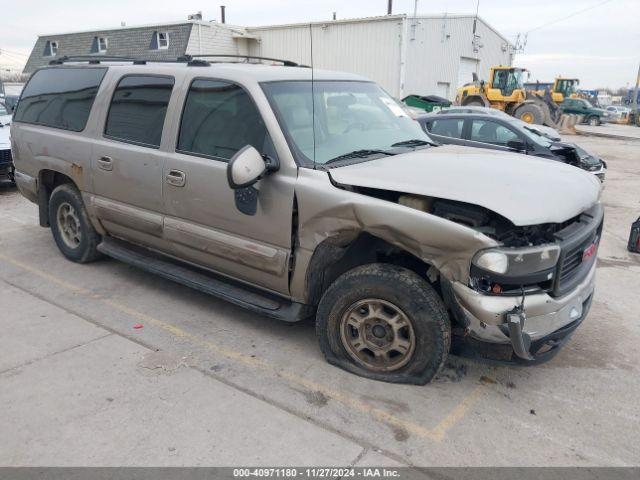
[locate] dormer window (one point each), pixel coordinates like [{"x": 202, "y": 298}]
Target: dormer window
[
  {"x": 99, "y": 45},
  {"x": 50, "y": 49},
  {"x": 159, "y": 41}
]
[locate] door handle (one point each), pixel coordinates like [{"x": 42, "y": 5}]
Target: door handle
[
  {"x": 105, "y": 163},
  {"x": 176, "y": 178}
]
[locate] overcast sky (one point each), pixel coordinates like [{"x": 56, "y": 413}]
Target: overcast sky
[{"x": 600, "y": 46}]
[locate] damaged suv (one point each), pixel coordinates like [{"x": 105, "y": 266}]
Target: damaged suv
[{"x": 311, "y": 199}]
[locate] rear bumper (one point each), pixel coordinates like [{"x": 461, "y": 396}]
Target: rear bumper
[{"x": 547, "y": 324}]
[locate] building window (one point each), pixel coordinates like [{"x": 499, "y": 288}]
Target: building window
[
  {"x": 163, "y": 40},
  {"x": 99, "y": 45},
  {"x": 102, "y": 44},
  {"x": 50, "y": 49}
]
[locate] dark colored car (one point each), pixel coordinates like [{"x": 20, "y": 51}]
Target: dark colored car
[
  {"x": 590, "y": 114},
  {"x": 493, "y": 132}
]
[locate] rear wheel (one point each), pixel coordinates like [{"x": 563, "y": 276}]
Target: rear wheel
[
  {"x": 530, "y": 113},
  {"x": 384, "y": 322},
  {"x": 70, "y": 225},
  {"x": 594, "y": 120}
]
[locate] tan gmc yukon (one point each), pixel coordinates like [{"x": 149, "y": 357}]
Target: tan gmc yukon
[{"x": 300, "y": 199}]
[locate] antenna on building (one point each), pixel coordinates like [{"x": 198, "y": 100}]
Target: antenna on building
[
  {"x": 390, "y": 7},
  {"x": 334, "y": 15},
  {"x": 222, "y": 15}
]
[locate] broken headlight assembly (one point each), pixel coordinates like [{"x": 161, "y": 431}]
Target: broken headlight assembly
[{"x": 505, "y": 270}]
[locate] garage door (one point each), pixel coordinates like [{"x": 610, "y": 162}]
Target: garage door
[{"x": 467, "y": 67}]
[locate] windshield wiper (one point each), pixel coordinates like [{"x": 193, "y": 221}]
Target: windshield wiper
[
  {"x": 414, "y": 142},
  {"x": 358, "y": 154}
]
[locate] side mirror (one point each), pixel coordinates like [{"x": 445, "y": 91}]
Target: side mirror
[
  {"x": 245, "y": 168},
  {"x": 517, "y": 145}
]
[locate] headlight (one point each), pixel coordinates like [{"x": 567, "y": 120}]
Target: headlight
[
  {"x": 501, "y": 270},
  {"x": 517, "y": 261},
  {"x": 492, "y": 261}
]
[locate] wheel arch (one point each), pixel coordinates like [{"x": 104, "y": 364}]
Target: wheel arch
[
  {"x": 48, "y": 180},
  {"x": 337, "y": 255}
]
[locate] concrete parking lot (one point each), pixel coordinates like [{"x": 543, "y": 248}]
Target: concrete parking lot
[{"x": 206, "y": 383}]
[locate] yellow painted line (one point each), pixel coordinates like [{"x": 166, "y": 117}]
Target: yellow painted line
[{"x": 437, "y": 433}]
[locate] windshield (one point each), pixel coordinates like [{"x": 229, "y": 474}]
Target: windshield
[
  {"x": 349, "y": 117},
  {"x": 535, "y": 135},
  {"x": 3, "y": 110},
  {"x": 567, "y": 87}
]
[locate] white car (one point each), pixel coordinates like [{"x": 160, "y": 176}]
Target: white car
[{"x": 6, "y": 161}]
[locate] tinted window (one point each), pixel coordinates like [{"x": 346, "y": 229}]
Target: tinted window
[
  {"x": 219, "y": 119},
  {"x": 491, "y": 132},
  {"x": 447, "y": 127},
  {"x": 60, "y": 97},
  {"x": 138, "y": 108}
]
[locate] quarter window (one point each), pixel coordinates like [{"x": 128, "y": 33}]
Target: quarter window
[
  {"x": 138, "y": 109},
  {"x": 491, "y": 132},
  {"x": 447, "y": 127},
  {"x": 219, "y": 119},
  {"x": 60, "y": 97}
]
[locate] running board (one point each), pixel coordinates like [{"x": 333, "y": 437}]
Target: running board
[{"x": 204, "y": 281}]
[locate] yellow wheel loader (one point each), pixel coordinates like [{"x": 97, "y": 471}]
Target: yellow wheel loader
[
  {"x": 505, "y": 91},
  {"x": 560, "y": 89}
]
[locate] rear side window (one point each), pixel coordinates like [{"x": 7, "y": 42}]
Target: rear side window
[
  {"x": 60, "y": 97},
  {"x": 219, "y": 119},
  {"x": 447, "y": 127},
  {"x": 138, "y": 109}
]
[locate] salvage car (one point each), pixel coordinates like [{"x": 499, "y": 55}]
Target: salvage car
[
  {"x": 6, "y": 161},
  {"x": 311, "y": 194},
  {"x": 496, "y": 133},
  {"x": 550, "y": 133}
]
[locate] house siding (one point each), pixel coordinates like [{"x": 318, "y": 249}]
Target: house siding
[{"x": 211, "y": 38}]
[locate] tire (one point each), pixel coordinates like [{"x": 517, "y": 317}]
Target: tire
[
  {"x": 530, "y": 113},
  {"x": 391, "y": 291},
  {"x": 594, "y": 121},
  {"x": 11, "y": 175},
  {"x": 70, "y": 225},
  {"x": 474, "y": 103}
]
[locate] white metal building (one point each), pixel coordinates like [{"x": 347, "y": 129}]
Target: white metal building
[{"x": 422, "y": 55}]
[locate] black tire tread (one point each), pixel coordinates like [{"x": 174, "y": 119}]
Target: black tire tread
[
  {"x": 90, "y": 251},
  {"x": 391, "y": 275}
]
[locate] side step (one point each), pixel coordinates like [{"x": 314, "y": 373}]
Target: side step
[{"x": 204, "y": 281}]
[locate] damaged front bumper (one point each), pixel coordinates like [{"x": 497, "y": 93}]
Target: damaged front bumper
[{"x": 496, "y": 329}]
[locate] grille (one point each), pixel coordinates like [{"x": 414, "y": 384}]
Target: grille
[
  {"x": 5, "y": 156},
  {"x": 571, "y": 267}
]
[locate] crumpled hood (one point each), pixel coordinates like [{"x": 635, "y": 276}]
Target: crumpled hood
[{"x": 526, "y": 190}]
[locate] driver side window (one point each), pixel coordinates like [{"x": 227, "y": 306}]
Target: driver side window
[{"x": 219, "y": 119}]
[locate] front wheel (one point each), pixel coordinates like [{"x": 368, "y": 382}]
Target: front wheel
[
  {"x": 384, "y": 322},
  {"x": 70, "y": 225}
]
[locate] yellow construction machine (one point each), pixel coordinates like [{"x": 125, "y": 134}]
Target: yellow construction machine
[
  {"x": 505, "y": 91},
  {"x": 560, "y": 89}
]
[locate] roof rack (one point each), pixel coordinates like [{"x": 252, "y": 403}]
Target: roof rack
[
  {"x": 96, "y": 59},
  {"x": 286, "y": 63},
  {"x": 191, "y": 60}
]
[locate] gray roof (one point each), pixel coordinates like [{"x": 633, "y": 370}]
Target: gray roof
[{"x": 126, "y": 42}]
